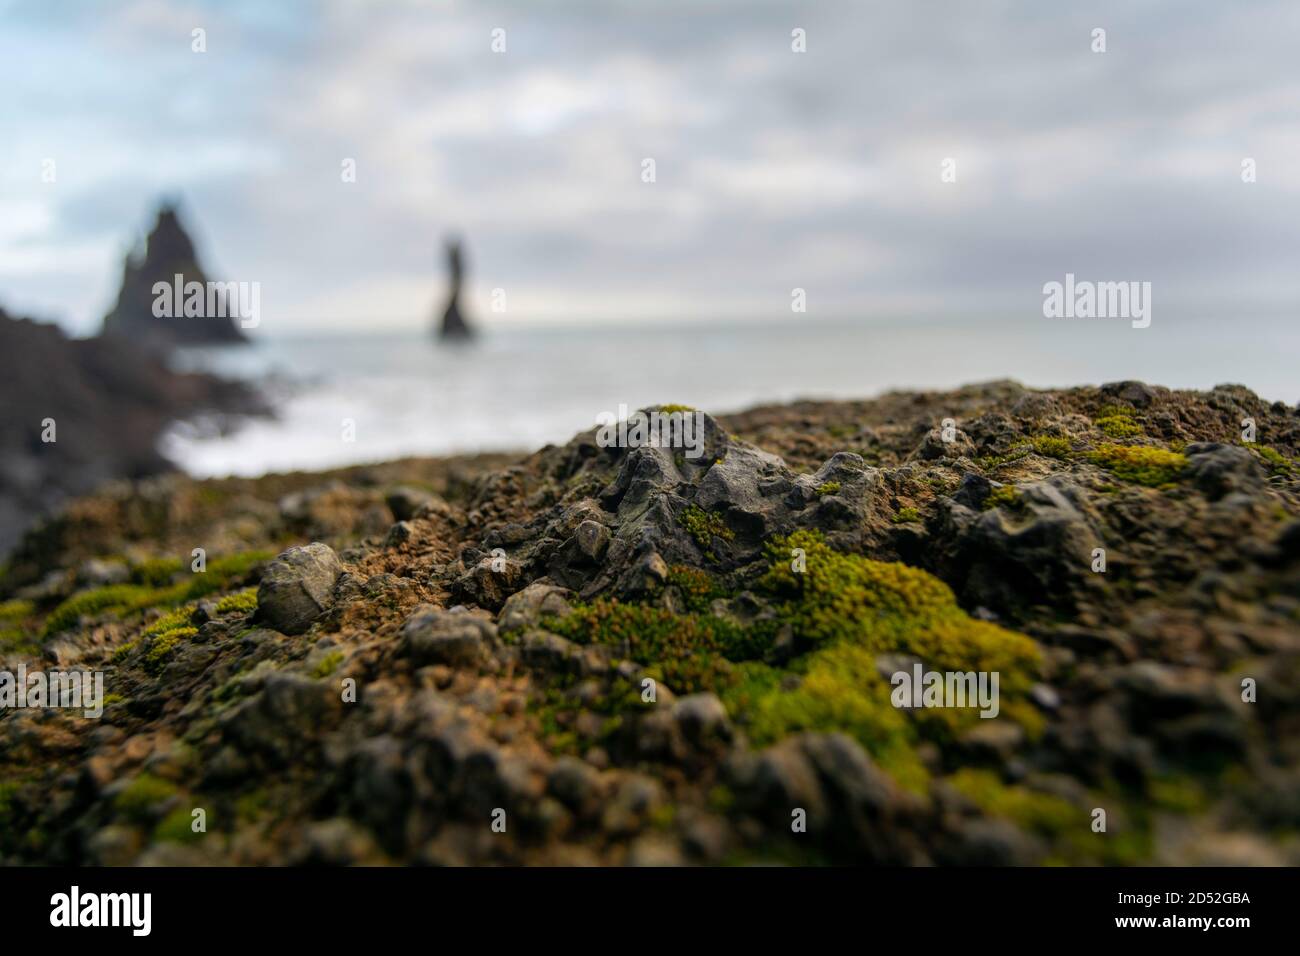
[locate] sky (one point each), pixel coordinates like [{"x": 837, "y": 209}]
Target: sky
[{"x": 774, "y": 169}]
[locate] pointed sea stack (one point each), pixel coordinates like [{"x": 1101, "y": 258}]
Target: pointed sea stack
[
  {"x": 168, "y": 252},
  {"x": 454, "y": 328}
]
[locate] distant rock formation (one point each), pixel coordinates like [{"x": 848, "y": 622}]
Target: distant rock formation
[
  {"x": 80, "y": 412},
  {"x": 168, "y": 252},
  {"x": 454, "y": 328}
]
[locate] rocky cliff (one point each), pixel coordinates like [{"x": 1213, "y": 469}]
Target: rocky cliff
[
  {"x": 629, "y": 655},
  {"x": 80, "y": 412}
]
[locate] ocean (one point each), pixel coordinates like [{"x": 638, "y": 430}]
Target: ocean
[{"x": 346, "y": 398}]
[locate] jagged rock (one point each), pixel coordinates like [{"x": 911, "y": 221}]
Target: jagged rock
[
  {"x": 1038, "y": 553},
  {"x": 454, "y": 328},
  {"x": 933, "y": 447},
  {"x": 398, "y": 535},
  {"x": 489, "y": 582},
  {"x": 168, "y": 252},
  {"x": 297, "y": 587}
]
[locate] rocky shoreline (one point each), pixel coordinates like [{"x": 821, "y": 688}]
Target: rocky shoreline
[
  {"x": 81, "y": 412},
  {"x": 594, "y": 655}
]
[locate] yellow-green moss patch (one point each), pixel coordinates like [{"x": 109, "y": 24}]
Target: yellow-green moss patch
[
  {"x": 1141, "y": 465},
  {"x": 244, "y": 602}
]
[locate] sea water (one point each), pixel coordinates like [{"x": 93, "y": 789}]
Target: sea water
[{"x": 349, "y": 398}]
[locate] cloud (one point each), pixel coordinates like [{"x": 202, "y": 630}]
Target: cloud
[{"x": 774, "y": 169}]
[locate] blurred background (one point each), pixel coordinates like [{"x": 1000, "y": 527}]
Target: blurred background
[{"x": 325, "y": 150}]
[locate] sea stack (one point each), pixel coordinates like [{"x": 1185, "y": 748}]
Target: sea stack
[
  {"x": 454, "y": 328},
  {"x": 168, "y": 253}
]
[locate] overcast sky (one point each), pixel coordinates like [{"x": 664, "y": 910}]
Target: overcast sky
[{"x": 775, "y": 169}]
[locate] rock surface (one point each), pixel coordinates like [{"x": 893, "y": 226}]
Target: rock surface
[{"x": 643, "y": 658}]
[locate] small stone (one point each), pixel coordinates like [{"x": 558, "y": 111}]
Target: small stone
[
  {"x": 1045, "y": 696},
  {"x": 297, "y": 587},
  {"x": 457, "y": 639},
  {"x": 398, "y": 535},
  {"x": 702, "y": 719},
  {"x": 404, "y": 502},
  {"x": 591, "y": 540}
]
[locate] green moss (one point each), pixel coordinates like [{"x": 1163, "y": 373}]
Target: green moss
[
  {"x": 1050, "y": 446},
  {"x": 115, "y": 598},
  {"x": 1066, "y": 828},
  {"x": 327, "y": 665},
  {"x": 156, "y": 572},
  {"x": 841, "y": 692},
  {"x": 178, "y": 827},
  {"x": 704, "y": 526},
  {"x": 15, "y": 639},
  {"x": 163, "y": 647},
  {"x": 994, "y": 462},
  {"x": 1277, "y": 463},
  {"x": 904, "y": 515},
  {"x": 1004, "y": 496},
  {"x": 139, "y": 799},
  {"x": 1117, "y": 422},
  {"x": 169, "y": 622},
  {"x": 840, "y": 613},
  {"x": 689, "y": 652},
  {"x": 1042, "y": 813},
  {"x": 16, "y": 634},
  {"x": 123, "y": 599},
  {"x": 721, "y": 799},
  {"x": 857, "y": 608},
  {"x": 698, "y": 588},
  {"x": 1141, "y": 465},
  {"x": 123, "y": 652},
  {"x": 16, "y": 610},
  {"x": 244, "y": 602},
  {"x": 1177, "y": 795},
  {"x": 251, "y": 807},
  {"x": 828, "y": 488},
  {"x": 671, "y": 408}
]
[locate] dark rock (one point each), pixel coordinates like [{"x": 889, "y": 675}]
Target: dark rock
[
  {"x": 458, "y": 639},
  {"x": 168, "y": 252},
  {"x": 297, "y": 587},
  {"x": 398, "y": 535},
  {"x": 1137, "y": 394},
  {"x": 404, "y": 502},
  {"x": 489, "y": 582},
  {"x": 1222, "y": 469},
  {"x": 285, "y": 720}
]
